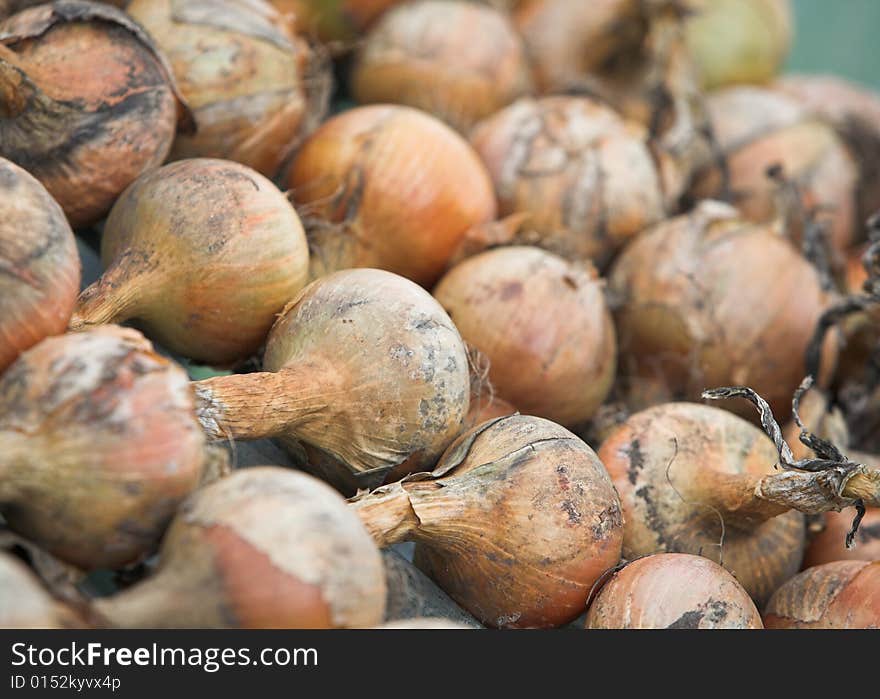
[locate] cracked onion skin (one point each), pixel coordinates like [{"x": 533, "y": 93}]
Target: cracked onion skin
[
  {"x": 543, "y": 324},
  {"x": 838, "y": 595},
  {"x": 673, "y": 591},
  {"x": 515, "y": 523},
  {"x": 388, "y": 187},
  {"x": 99, "y": 443},
  {"x": 263, "y": 548},
  {"x": 39, "y": 264},
  {"x": 205, "y": 253},
  {"x": 85, "y": 134}
]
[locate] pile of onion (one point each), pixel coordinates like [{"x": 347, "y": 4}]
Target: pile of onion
[
  {"x": 423, "y": 54},
  {"x": 673, "y": 591},
  {"x": 264, "y": 548},
  {"x": 389, "y": 187},
  {"x": 39, "y": 264},
  {"x": 255, "y": 89},
  {"x": 85, "y": 134},
  {"x": 99, "y": 443},
  {"x": 543, "y": 325},
  {"x": 515, "y": 523},
  {"x": 205, "y": 253}
]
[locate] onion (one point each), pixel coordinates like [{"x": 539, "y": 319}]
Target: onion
[
  {"x": 263, "y": 548},
  {"x": 205, "y": 253},
  {"x": 424, "y": 623},
  {"x": 255, "y": 89},
  {"x": 828, "y": 546},
  {"x": 699, "y": 299},
  {"x": 839, "y": 595},
  {"x": 25, "y": 603},
  {"x": 542, "y": 323},
  {"x": 364, "y": 365},
  {"x": 673, "y": 591},
  {"x": 456, "y": 60},
  {"x": 10, "y": 7},
  {"x": 334, "y": 20},
  {"x": 583, "y": 175},
  {"x": 85, "y": 134},
  {"x": 39, "y": 264},
  {"x": 389, "y": 187},
  {"x": 515, "y": 523},
  {"x": 99, "y": 443}
]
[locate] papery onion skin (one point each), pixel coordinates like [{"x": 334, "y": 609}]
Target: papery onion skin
[
  {"x": 673, "y": 591},
  {"x": 839, "y": 595},
  {"x": 423, "y": 54},
  {"x": 388, "y": 187},
  {"x": 543, "y": 324},
  {"x": 264, "y": 548},
  {"x": 205, "y": 253},
  {"x": 39, "y": 264},
  {"x": 101, "y": 432}
]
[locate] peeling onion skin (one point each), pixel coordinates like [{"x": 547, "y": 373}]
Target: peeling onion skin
[
  {"x": 39, "y": 264},
  {"x": 839, "y": 595},
  {"x": 583, "y": 176},
  {"x": 205, "y": 253},
  {"x": 673, "y": 591},
  {"x": 423, "y": 54},
  {"x": 85, "y": 134},
  {"x": 516, "y": 522},
  {"x": 388, "y": 187},
  {"x": 255, "y": 89},
  {"x": 543, "y": 324},
  {"x": 99, "y": 431},
  {"x": 264, "y": 548}
]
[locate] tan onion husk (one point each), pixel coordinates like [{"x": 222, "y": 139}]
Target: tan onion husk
[
  {"x": 456, "y": 60},
  {"x": 388, "y": 187},
  {"x": 205, "y": 253},
  {"x": 100, "y": 443},
  {"x": 672, "y": 591},
  {"x": 264, "y": 548},
  {"x": 25, "y": 603},
  {"x": 364, "y": 365},
  {"x": 255, "y": 89},
  {"x": 516, "y": 522},
  {"x": 85, "y": 134},
  {"x": 542, "y": 323},
  {"x": 39, "y": 264}
]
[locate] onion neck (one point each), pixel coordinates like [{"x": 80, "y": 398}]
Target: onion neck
[
  {"x": 150, "y": 604},
  {"x": 733, "y": 496},
  {"x": 114, "y": 298},
  {"x": 388, "y": 514}
]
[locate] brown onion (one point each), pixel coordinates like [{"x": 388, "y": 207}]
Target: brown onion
[
  {"x": 515, "y": 523},
  {"x": 828, "y": 546},
  {"x": 364, "y": 365},
  {"x": 255, "y": 89},
  {"x": 543, "y": 325},
  {"x": 263, "y": 548},
  {"x": 39, "y": 264},
  {"x": 205, "y": 253},
  {"x": 673, "y": 591},
  {"x": 583, "y": 175},
  {"x": 708, "y": 299},
  {"x": 839, "y": 595},
  {"x": 458, "y": 61},
  {"x": 334, "y": 20},
  {"x": 389, "y": 187},
  {"x": 85, "y": 134},
  {"x": 24, "y": 601},
  {"x": 100, "y": 443}
]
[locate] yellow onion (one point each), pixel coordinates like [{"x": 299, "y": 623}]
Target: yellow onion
[
  {"x": 583, "y": 176},
  {"x": 263, "y": 548},
  {"x": 86, "y": 134},
  {"x": 334, "y": 20},
  {"x": 364, "y": 365},
  {"x": 99, "y": 443},
  {"x": 828, "y": 546},
  {"x": 255, "y": 89},
  {"x": 205, "y": 253},
  {"x": 39, "y": 264},
  {"x": 543, "y": 325},
  {"x": 839, "y": 595},
  {"x": 388, "y": 187},
  {"x": 459, "y": 61},
  {"x": 673, "y": 591},
  {"x": 515, "y": 523},
  {"x": 698, "y": 301},
  {"x": 24, "y": 601}
]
